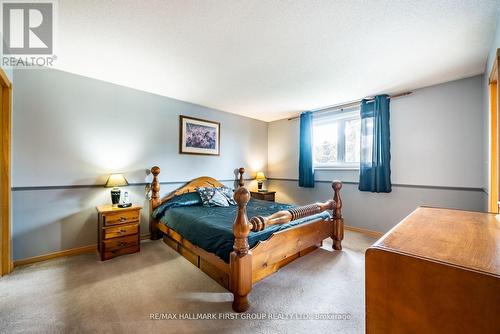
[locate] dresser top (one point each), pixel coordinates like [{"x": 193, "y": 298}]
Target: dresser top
[
  {"x": 111, "y": 208},
  {"x": 465, "y": 239}
]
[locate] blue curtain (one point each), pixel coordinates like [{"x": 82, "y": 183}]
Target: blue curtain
[
  {"x": 375, "y": 166},
  {"x": 306, "y": 170}
]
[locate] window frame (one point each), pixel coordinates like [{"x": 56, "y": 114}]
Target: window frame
[{"x": 341, "y": 117}]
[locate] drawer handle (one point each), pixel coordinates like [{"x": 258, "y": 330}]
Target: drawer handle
[
  {"x": 122, "y": 219},
  {"x": 122, "y": 231},
  {"x": 121, "y": 244}
]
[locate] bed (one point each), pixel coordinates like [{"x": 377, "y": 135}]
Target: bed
[{"x": 231, "y": 248}]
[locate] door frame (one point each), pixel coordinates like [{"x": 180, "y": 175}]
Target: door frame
[
  {"x": 494, "y": 163},
  {"x": 6, "y": 263}
]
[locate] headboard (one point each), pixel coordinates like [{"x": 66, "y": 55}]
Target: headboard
[{"x": 203, "y": 181}]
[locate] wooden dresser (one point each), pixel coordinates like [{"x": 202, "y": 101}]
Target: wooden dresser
[
  {"x": 438, "y": 271},
  {"x": 118, "y": 230}
]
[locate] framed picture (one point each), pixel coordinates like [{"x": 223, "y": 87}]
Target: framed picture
[{"x": 198, "y": 136}]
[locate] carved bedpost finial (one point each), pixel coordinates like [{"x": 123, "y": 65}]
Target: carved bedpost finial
[
  {"x": 155, "y": 187},
  {"x": 241, "y": 226},
  {"x": 241, "y": 181},
  {"x": 155, "y": 170},
  {"x": 338, "y": 221}
]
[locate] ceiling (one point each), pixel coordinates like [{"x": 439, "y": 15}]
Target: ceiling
[{"x": 271, "y": 59}]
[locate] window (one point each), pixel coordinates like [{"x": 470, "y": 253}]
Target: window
[{"x": 336, "y": 140}]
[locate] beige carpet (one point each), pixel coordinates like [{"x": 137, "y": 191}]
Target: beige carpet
[{"x": 81, "y": 294}]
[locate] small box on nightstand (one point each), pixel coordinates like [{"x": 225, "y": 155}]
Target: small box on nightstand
[{"x": 118, "y": 230}]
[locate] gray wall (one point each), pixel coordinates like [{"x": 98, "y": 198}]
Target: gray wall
[
  {"x": 495, "y": 44},
  {"x": 9, "y": 72},
  {"x": 72, "y": 131},
  {"x": 437, "y": 156}
]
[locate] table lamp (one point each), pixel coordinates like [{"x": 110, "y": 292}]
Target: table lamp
[
  {"x": 115, "y": 181},
  {"x": 260, "y": 177}
]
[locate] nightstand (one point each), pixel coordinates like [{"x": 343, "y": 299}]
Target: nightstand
[
  {"x": 263, "y": 195},
  {"x": 118, "y": 230}
]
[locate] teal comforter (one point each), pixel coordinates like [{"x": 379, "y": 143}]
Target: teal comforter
[{"x": 211, "y": 228}]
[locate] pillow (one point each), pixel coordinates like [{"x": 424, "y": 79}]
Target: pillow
[
  {"x": 212, "y": 196},
  {"x": 229, "y": 193},
  {"x": 188, "y": 199}
]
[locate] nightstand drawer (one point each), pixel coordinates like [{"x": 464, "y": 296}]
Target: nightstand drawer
[
  {"x": 119, "y": 243},
  {"x": 120, "y": 231},
  {"x": 121, "y": 217},
  {"x": 268, "y": 197},
  {"x": 264, "y": 196},
  {"x": 120, "y": 251}
]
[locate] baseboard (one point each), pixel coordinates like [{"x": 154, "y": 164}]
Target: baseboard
[
  {"x": 67, "y": 252},
  {"x": 370, "y": 233}
]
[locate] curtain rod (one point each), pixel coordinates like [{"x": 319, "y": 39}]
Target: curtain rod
[{"x": 349, "y": 104}]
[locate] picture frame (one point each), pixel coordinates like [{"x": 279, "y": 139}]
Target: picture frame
[{"x": 198, "y": 136}]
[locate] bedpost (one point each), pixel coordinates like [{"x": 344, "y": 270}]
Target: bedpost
[
  {"x": 241, "y": 257},
  {"x": 241, "y": 181},
  {"x": 155, "y": 202},
  {"x": 338, "y": 221},
  {"x": 155, "y": 187}
]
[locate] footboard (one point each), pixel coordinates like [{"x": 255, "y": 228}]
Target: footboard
[
  {"x": 251, "y": 265},
  {"x": 287, "y": 245}
]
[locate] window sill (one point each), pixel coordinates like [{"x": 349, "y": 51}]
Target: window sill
[{"x": 337, "y": 168}]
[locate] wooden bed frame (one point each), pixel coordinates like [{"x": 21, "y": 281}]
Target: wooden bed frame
[{"x": 248, "y": 266}]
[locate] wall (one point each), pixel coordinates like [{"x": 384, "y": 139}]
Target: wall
[
  {"x": 437, "y": 156},
  {"x": 70, "y": 132},
  {"x": 495, "y": 44},
  {"x": 9, "y": 72}
]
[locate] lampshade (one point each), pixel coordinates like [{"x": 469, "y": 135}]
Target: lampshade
[
  {"x": 260, "y": 176},
  {"x": 116, "y": 180}
]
